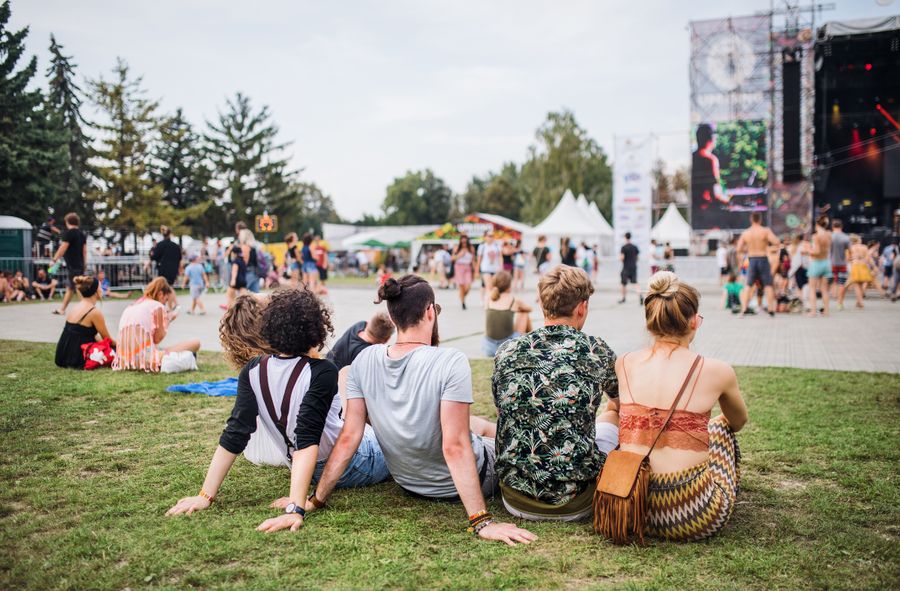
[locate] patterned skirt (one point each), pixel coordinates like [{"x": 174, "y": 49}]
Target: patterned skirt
[{"x": 696, "y": 503}]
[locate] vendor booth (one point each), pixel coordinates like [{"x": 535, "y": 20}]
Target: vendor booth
[
  {"x": 673, "y": 229},
  {"x": 474, "y": 226}
]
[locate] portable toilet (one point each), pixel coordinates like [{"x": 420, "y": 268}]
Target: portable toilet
[{"x": 15, "y": 243}]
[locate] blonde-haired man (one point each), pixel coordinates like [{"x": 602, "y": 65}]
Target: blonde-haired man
[{"x": 547, "y": 386}]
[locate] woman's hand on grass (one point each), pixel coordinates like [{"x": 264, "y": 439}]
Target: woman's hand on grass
[
  {"x": 294, "y": 521},
  {"x": 507, "y": 533},
  {"x": 188, "y": 505}
]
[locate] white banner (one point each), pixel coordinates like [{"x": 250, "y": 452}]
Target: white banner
[{"x": 633, "y": 193}]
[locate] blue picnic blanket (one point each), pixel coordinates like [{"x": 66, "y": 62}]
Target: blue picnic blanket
[{"x": 226, "y": 387}]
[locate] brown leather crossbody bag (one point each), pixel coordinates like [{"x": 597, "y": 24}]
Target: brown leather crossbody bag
[{"x": 620, "y": 499}]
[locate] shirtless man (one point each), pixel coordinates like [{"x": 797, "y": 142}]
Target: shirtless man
[
  {"x": 820, "y": 267},
  {"x": 755, "y": 241}
]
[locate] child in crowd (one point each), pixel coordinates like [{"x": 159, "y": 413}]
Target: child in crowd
[
  {"x": 731, "y": 294},
  {"x": 106, "y": 290},
  {"x": 196, "y": 274},
  {"x": 377, "y": 331}
]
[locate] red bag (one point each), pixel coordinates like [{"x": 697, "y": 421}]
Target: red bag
[{"x": 98, "y": 354}]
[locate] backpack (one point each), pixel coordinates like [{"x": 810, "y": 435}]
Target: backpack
[{"x": 262, "y": 262}]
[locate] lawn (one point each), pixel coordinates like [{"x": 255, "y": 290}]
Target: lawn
[{"x": 90, "y": 462}]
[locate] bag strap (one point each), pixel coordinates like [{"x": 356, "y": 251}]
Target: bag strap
[
  {"x": 675, "y": 404},
  {"x": 280, "y": 421}
]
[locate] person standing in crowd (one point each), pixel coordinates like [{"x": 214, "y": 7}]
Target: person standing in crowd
[
  {"x": 721, "y": 262},
  {"x": 860, "y": 274},
  {"x": 463, "y": 263},
  {"x": 223, "y": 268},
  {"x": 694, "y": 466},
  {"x": 629, "y": 257},
  {"x": 377, "y": 331},
  {"x": 73, "y": 249},
  {"x": 489, "y": 262},
  {"x": 888, "y": 256},
  {"x": 308, "y": 261},
  {"x": 505, "y": 316},
  {"x": 734, "y": 262},
  {"x": 519, "y": 267},
  {"x": 443, "y": 266},
  {"x": 321, "y": 254},
  {"x": 248, "y": 249},
  {"x": 292, "y": 258},
  {"x": 840, "y": 247},
  {"x": 43, "y": 285},
  {"x": 304, "y": 388},
  {"x": 755, "y": 242},
  {"x": 547, "y": 386},
  {"x": 143, "y": 326},
  {"x": 509, "y": 253},
  {"x": 237, "y": 275},
  {"x": 46, "y": 234},
  {"x": 820, "y": 267},
  {"x": 84, "y": 324},
  {"x": 566, "y": 252},
  {"x": 541, "y": 256},
  {"x": 416, "y": 396},
  {"x": 167, "y": 256},
  {"x": 196, "y": 274},
  {"x": 797, "y": 272},
  {"x": 655, "y": 257}
]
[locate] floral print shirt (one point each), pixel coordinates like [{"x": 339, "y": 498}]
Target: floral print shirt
[{"x": 547, "y": 387}]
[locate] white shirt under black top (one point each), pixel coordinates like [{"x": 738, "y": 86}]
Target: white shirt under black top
[{"x": 314, "y": 415}]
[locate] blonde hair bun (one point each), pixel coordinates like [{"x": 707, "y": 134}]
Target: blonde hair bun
[{"x": 663, "y": 284}]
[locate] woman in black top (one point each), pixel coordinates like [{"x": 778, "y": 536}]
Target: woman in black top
[
  {"x": 296, "y": 324},
  {"x": 238, "y": 284},
  {"x": 84, "y": 323}
]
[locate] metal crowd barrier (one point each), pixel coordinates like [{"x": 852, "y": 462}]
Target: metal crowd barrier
[{"x": 123, "y": 272}]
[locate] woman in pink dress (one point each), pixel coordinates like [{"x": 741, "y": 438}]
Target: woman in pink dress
[
  {"x": 463, "y": 264},
  {"x": 143, "y": 326}
]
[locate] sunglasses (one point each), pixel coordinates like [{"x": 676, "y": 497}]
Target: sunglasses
[{"x": 699, "y": 321}]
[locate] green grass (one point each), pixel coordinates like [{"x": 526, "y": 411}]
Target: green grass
[{"x": 91, "y": 460}]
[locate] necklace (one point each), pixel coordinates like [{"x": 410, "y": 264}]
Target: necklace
[{"x": 412, "y": 343}]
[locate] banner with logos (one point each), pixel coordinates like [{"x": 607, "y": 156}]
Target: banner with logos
[{"x": 633, "y": 191}]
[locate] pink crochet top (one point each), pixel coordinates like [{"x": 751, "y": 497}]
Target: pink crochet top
[{"x": 136, "y": 349}]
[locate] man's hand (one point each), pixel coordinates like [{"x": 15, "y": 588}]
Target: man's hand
[
  {"x": 507, "y": 533},
  {"x": 188, "y": 505},
  {"x": 280, "y": 503},
  {"x": 294, "y": 521}
]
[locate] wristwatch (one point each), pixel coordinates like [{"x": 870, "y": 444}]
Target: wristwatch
[{"x": 295, "y": 508}]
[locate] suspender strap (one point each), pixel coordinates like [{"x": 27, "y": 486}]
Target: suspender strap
[
  {"x": 280, "y": 421},
  {"x": 684, "y": 386}
]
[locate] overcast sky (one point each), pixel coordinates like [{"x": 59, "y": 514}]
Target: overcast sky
[{"x": 368, "y": 90}]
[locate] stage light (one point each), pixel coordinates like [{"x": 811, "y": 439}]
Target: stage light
[
  {"x": 868, "y": 67},
  {"x": 872, "y": 131},
  {"x": 887, "y": 116},
  {"x": 836, "y": 114},
  {"x": 856, "y": 148}
]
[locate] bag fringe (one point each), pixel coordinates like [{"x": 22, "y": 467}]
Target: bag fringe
[{"x": 620, "y": 519}]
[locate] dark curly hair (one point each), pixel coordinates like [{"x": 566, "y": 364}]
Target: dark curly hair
[{"x": 294, "y": 321}]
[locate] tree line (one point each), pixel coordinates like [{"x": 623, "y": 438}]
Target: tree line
[{"x": 133, "y": 167}]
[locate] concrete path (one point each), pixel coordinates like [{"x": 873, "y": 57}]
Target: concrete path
[{"x": 854, "y": 340}]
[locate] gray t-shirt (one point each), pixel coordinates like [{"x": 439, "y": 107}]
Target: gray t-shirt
[
  {"x": 840, "y": 242},
  {"x": 403, "y": 399}
]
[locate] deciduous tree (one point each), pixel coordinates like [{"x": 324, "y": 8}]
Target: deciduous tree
[{"x": 417, "y": 198}]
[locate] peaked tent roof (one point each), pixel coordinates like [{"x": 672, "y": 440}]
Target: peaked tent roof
[
  {"x": 567, "y": 219},
  {"x": 607, "y": 230},
  {"x": 505, "y": 222},
  {"x": 672, "y": 227}
]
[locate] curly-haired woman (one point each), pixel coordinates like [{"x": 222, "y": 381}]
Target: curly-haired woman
[{"x": 293, "y": 394}]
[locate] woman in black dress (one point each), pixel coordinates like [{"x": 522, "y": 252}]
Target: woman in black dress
[
  {"x": 84, "y": 323},
  {"x": 238, "y": 285}
]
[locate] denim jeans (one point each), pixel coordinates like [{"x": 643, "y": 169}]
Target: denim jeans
[
  {"x": 252, "y": 281},
  {"x": 366, "y": 467}
]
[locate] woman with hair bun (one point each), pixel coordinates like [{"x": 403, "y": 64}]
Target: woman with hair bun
[
  {"x": 694, "y": 465},
  {"x": 143, "y": 325},
  {"x": 84, "y": 324}
]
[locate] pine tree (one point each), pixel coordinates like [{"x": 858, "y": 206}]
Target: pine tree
[
  {"x": 126, "y": 198},
  {"x": 64, "y": 101},
  {"x": 249, "y": 164},
  {"x": 31, "y": 148},
  {"x": 180, "y": 168}
]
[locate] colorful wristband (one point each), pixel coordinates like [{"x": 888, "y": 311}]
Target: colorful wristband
[{"x": 206, "y": 496}]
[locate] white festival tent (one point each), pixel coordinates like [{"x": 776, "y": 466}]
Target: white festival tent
[
  {"x": 607, "y": 235},
  {"x": 568, "y": 219},
  {"x": 672, "y": 228}
]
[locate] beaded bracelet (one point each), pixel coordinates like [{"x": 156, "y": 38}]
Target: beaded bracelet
[
  {"x": 477, "y": 520},
  {"x": 475, "y": 516},
  {"x": 481, "y": 526},
  {"x": 205, "y": 495}
]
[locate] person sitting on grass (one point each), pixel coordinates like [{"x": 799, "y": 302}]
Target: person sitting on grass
[
  {"x": 239, "y": 331},
  {"x": 292, "y": 394},
  {"x": 84, "y": 324},
  {"x": 694, "y": 467},
  {"x": 106, "y": 289},
  {"x": 731, "y": 294},
  {"x": 17, "y": 288},
  {"x": 143, "y": 326},
  {"x": 505, "y": 316},
  {"x": 548, "y": 386},
  {"x": 417, "y": 397},
  {"x": 43, "y": 285},
  {"x": 196, "y": 274},
  {"x": 377, "y": 331}
]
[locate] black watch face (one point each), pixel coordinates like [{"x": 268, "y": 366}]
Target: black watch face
[{"x": 290, "y": 508}]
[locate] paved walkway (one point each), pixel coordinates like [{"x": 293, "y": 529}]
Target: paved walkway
[{"x": 854, "y": 340}]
